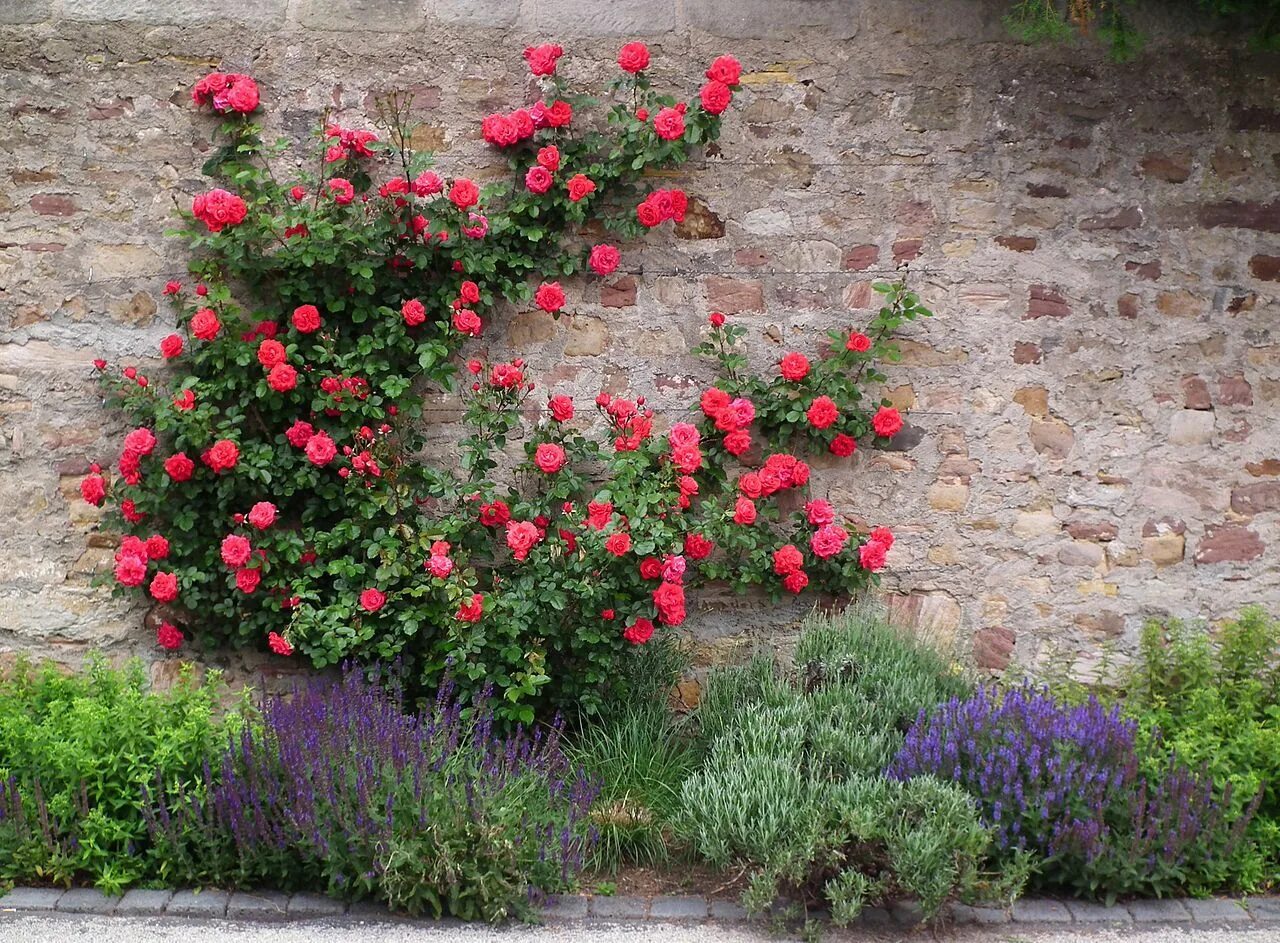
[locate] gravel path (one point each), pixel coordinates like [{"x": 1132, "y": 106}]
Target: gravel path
[{"x": 73, "y": 929}]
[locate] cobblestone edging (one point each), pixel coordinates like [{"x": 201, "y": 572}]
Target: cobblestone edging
[{"x": 267, "y": 905}]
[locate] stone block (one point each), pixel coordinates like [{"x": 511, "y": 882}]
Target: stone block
[
  {"x": 87, "y": 900},
  {"x": 678, "y": 908},
  {"x": 141, "y": 902},
  {"x": 1218, "y": 911},
  {"x": 495, "y": 14},
  {"x": 307, "y": 906},
  {"x": 1164, "y": 549},
  {"x": 619, "y": 908},
  {"x": 389, "y": 16},
  {"x": 261, "y": 13},
  {"x": 727, "y": 910},
  {"x": 632, "y": 19},
  {"x": 1191, "y": 427},
  {"x": 1085, "y": 911},
  {"x": 587, "y": 337},
  {"x": 209, "y": 904},
  {"x": 258, "y": 905},
  {"x": 765, "y": 19},
  {"x": 568, "y": 907},
  {"x": 1035, "y": 910},
  {"x": 1158, "y": 911},
  {"x": 31, "y": 898},
  {"x": 14, "y": 12},
  {"x": 1229, "y": 543}
]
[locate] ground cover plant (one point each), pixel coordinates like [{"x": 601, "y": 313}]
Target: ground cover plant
[
  {"x": 272, "y": 494},
  {"x": 792, "y": 791}
]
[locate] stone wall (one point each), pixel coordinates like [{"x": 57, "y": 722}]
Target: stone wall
[{"x": 1095, "y": 410}]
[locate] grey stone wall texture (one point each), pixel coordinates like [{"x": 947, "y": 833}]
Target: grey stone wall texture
[{"x": 1096, "y": 407}]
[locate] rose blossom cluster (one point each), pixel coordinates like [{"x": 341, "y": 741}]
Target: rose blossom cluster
[
  {"x": 519, "y": 125},
  {"x": 227, "y": 92},
  {"x": 219, "y": 209},
  {"x": 629, "y": 421},
  {"x": 732, "y": 416},
  {"x": 348, "y": 144},
  {"x": 660, "y": 206}
]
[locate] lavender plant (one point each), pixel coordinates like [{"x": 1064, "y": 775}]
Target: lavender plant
[
  {"x": 338, "y": 787},
  {"x": 1066, "y": 783}
]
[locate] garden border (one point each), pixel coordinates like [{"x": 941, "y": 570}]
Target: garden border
[{"x": 269, "y": 906}]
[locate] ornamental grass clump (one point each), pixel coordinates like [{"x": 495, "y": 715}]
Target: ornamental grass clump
[
  {"x": 338, "y": 788},
  {"x": 1067, "y": 784}
]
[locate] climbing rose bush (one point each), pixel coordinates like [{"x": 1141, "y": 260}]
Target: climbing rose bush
[{"x": 274, "y": 492}]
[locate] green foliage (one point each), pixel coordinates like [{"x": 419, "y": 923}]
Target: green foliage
[
  {"x": 791, "y": 785},
  {"x": 77, "y": 753},
  {"x": 1112, "y": 20},
  {"x": 1214, "y": 702}
]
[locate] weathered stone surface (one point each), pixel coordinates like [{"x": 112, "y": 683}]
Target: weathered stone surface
[
  {"x": 1046, "y": 303},
  {"x": 1229, "y": 543},
  {"x": 264, "y": 13},
  {"x": 1265, "y": 267},
  {"x": 1191, "y": 427},
  {"x": 993, "y": 647},
  {"x": 733, "y": 296},
  {"x": 1128, "y": 218},
  {"x": 1256, "y": 498}
]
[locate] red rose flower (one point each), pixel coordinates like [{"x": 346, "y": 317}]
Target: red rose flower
[
  {"x": 130, "y": 511},
  {"x": 299, "y": 434},
  {"x": 171, "y": 346},
  {"x": 168, "y": 636},
  {"x": 561, "y": 407},
  {"x": 538, "y": 180},
  {"x": 883, "y": 536},
  {"x": 744, "y": 512},
  {"x": 559, "y": 114},
  {"x": 819, "y": 512},
  {"x": 467, "y": 322},
  {"x": 306, "y": 319},
  {"x": 618, "y": 544},
  {"x": 472, "y": 610},
  {"x": 320, "y": 449},
  {"x": 141, "y": 441},
  {"x": 650, "y": 568},
  {"x": 579, "y": 186},
  {"x": 668, "y": 599},
  {"x": 638, "y": 632},
  {"x": 131, "y": 570},
  {"x": 271, "y": 353},
  {"x": 549, "y": 157},
  {"x": 713, "y": 401},
  {"x": 604, "y": 259},
  {"x": 787, "y": 559},
  {"x": 495, "y": 514},
  {"x": 247, "y": 580},
  {"x": 858, "y": 342},
  {"x": 235, "y": 550},
  {"x": 697, "y": 546},
  {"x": 887, "y": 422},
  {"x": 157, "y": 547},
  {"x": 725, "y": 69},
  {"x": 669, "y": 124},
  {"x": 222, "y": 455},
  {"x": 341, "y": 190},
  {"x": 715, "y": 97},
  {"x": 413, "y": 312},
  {"x": 464, "y": 194},
  {"x": 164, "y": 587},
  {"x": 218, "y": 209},
  {"x": 184, "y": 401},
  {"x": 542, "y": 59},
  {"x": 521, "y": 536},
  {"x": 262, "y": 515},
  {"x": 599, "y": 514},
  {"x": 93, "y": 488},
  {"x": 842, "y": 446},
  {"x": 205, "y": 324},
  {"x": 715, "y": 319},
  {"x": 179, "y": 467},
  {"x": 795, "y": 367},
  {"x": 282, "y": 378},
  {"x": 828, "y": 540},
  {"x": 750, "y": 485},
  {"x": 737, "y": 442},
  {"x": 469, "y": 292},
  {"x": 872, "y": 555},
  {"x": 795, "y": 582},
  {"x": 633, "y": 57},
  {"x": 549, "y": 297},
  {"x": 549, "y": 457},
  {"x": 648, "y": 214},
  {"x": 371, "y": 600},
  {"x": 822, "y": 412},
  {"x": 279, "y": 644}
]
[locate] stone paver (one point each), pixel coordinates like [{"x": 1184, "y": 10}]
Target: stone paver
[
  {"x": 1217, "y": 911},
  {"x": 1040, "y": 911},
  {"x": 258, "y": 905},
  {"x": 1159, "y": 911},
  {"x": 87, "y": 900},
  {"x": 969, "y": 914},
  {"x": 568, "y": 907},
  {"x": 31, "y": 898},
  {"x": 678, "y": 908},
  {"x": 727, "y": 910},
  {"x": 141, "y": 902},
  {"x": 304, "y": 906},
  {"x": 207, "y": 904},
  {"x": 622, "y": 908},
  {"x": 1264, "y": 909},
  {"x": 1085, "y": 911}
]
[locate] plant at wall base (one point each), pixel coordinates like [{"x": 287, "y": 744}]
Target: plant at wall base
[
  {"x": 76, "y": 754},
  {"x": 270, "y": 495},
  {"x": 791, "y": 788},
  {"x": 1066, "y": 784},
  {"x": 1111, "y": 20},
  {"x": 338, "y": 788}
]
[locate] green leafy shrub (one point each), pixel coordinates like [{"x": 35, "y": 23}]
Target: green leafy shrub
[
  {"x": 1216, "y": 703},
  {"x": 791, "y": 786},
  {"x": 77, "y": 753}
]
